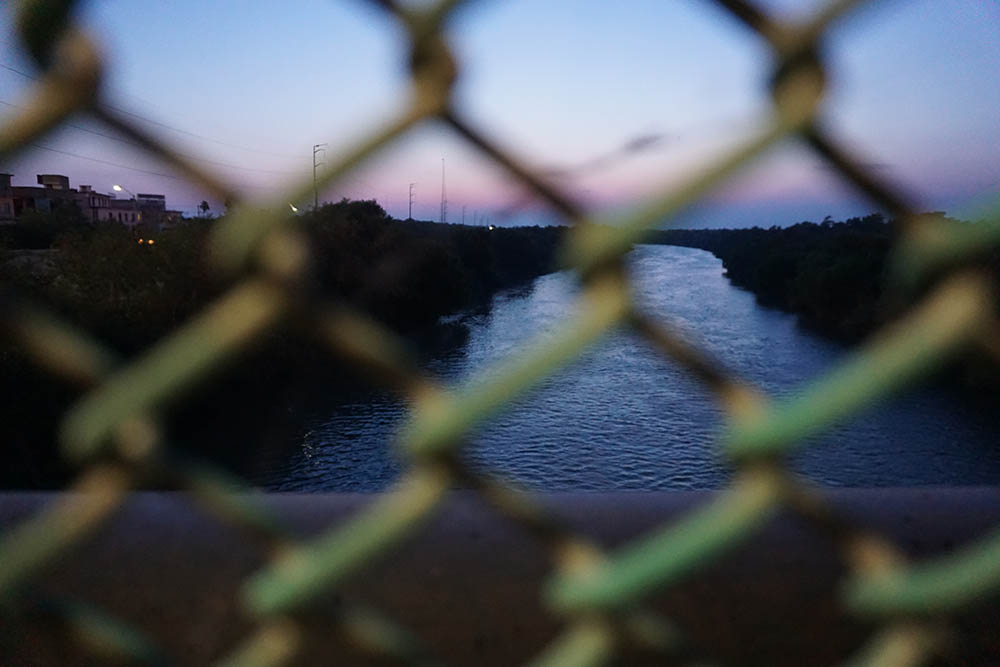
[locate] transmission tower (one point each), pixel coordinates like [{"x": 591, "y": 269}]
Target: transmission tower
[
  {"x": 444, "y": 200},
  {"x": 317, "y": 148}
]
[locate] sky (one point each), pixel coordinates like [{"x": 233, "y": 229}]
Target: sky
[{"x": 616, "y": 100}]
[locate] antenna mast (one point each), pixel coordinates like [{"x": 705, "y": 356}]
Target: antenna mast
[
  {"x": 317, "y": 148},
  {"x": 444, "y": 201}
]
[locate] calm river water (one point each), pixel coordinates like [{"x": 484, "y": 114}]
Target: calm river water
[{"x": 624, "y": 418}]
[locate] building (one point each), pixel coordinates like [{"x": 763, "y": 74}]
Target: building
[
  {"x": 158, "y": 202},
  {"x": 55, "y": 193},
  {"x": 53, "y": 181},
  {"x": 6, "y": 199},
  {"x": 125, "y": 211},
  {"x": 94, "y": 205},
  {"x": 154, "y": 210}
]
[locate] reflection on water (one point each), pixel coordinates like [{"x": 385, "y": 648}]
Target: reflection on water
[{"x": 624, "y": 418}]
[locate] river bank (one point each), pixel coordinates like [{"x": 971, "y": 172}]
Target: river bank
[
  {"x": 621, "y": 417},
  {"x": 832, "y": 276},
  {"x": 406, "y": 274}
]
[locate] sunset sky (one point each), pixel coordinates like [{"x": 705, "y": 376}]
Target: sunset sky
[{"x": 915, "y": 90}]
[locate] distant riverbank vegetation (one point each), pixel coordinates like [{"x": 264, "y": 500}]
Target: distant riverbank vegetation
[
  {"x": 831, "y": 275},
  {"x": 127, "y": 294},
  {"x": 404, "y": 273}
]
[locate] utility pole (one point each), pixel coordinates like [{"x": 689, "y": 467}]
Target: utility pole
[
  {"x": 410, "y": 214},
  {"x": 444, "y": 202},
  {"x": 463, "y": 214},
  {"x": 317, "y": 148}
]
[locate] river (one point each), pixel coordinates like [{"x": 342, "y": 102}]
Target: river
[{"x": 622, "y": 417}]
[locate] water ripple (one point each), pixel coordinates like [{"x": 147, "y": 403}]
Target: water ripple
[{"x": 622, "y": 417}]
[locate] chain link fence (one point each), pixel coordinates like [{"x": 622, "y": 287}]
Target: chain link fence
[{"x": 112, "y": 433}]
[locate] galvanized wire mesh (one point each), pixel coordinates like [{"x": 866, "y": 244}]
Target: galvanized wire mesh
[{"x": 599, "y": 595}]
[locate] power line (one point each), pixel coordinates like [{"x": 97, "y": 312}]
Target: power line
[
  {"x": 108, "y": 162},
  {"x": 17, "y": 71},
  {"x": 131, "y": 143},
  {"x": 162, "y": 124},
  {"x": 144, "y": 171},
  {"x": 184, "y": 155},
  {"x": 173, "y": 177},
  {"x": 192, "y": 134}
]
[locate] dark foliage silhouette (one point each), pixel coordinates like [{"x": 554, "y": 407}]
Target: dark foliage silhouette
[{"x": 130, "y": 294}]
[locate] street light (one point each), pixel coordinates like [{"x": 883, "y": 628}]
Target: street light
[
  {"x": 135, "y": 204},
  {"x": 118, "y": 188}
]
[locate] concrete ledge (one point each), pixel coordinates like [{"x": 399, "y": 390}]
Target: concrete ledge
[{"x": 469, "y": 583}]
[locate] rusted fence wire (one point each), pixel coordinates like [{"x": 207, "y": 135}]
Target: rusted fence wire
[{"x": 112, "y": 433}]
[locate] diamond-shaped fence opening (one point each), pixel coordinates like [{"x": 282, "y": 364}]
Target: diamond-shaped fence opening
[{"x": 596, "y": 596}]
